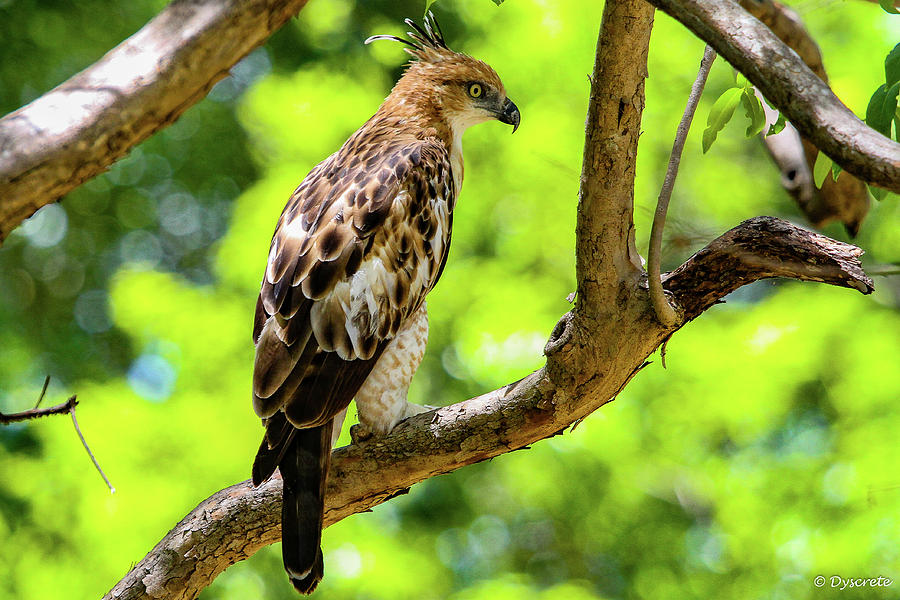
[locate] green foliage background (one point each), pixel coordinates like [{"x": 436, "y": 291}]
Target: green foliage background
[{"x": 764, "y": 455}]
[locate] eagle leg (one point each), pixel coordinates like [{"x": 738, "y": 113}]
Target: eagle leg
[{"x": 381, "y": 401}]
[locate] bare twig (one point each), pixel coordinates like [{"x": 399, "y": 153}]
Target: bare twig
[
  {"x": 36, "y": 413},
  {"x": 883, "y": 270},
  {"x": 664, "y": 311},
  {"x": 66, "y": 407},
  {"x": 84, "y": 443},
  {"x": 43, "y": 391},
  {"x": 870, "y": 494}
]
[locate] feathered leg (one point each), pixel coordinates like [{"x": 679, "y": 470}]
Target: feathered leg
[{"x": 381, "y": 401}]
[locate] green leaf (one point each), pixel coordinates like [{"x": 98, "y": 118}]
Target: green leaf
[
  {"x": 754, "y": 110},
  {"x": 873, "y": 109},
  {"x": 889, "y": 108},
  {"x": 497, "y": 2},
  {"x": 882, "y": 108},
  {"x": 836, "y": 170},
  {"x": 709, "y": 136},
  {"x": 892, "y": 66},
  {"x": 741, "y": 81},
  {"x": 821, "y": 169},
  {"x": 777, "y": 127},
  {"x": 878, "y": 193},
  {"x": 719, "y": 115},
  {"x": 888, "y": 6},
  {"x": 428, "y": 4}
]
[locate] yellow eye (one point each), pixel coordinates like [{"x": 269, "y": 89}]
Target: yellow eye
[{"x": 475, "y": 90}]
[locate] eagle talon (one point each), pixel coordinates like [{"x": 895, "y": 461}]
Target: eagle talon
[{"x": 360, "y": 433}]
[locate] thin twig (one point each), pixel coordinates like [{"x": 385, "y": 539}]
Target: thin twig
[
  {"x": 84, "y": 443},
  {"x": 43, "y": 391},
  {"x": 664, "y": 311},
  {"x": 36, "y": 413},
  {"x": 66, "y": 407},
  {"x": 883, "y": 270},
  {"x": 870, "y": 495}
]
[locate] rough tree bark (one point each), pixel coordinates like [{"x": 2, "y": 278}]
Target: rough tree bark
[
  {"x": 77, "y": 130},
  {"x": 592, "y": 354}
]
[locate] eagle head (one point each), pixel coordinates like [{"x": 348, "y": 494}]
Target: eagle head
[{"x": 459, "y": 91}]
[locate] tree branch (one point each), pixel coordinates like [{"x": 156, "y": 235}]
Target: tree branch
[
  {"x": 792, "y": 87},
  {"x": 36, "y": 413},
  {"x": 787, "y": 25},
  {"x": 234, "y": 523},
  {"x": 605, "y": 253},
  {"x": 78, "y": 129},
  {"x": 664, "y": 311},
  {"x": 761, "y": 248}
]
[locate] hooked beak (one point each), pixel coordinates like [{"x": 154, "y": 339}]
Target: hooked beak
[{"x": 509, "y": 114}]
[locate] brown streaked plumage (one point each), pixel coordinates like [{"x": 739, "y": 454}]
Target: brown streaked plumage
[{"x": 358, "y": 246}]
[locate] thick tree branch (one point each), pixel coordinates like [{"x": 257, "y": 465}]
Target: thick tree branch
[
  {"x": 792, "y": 87},
  {"x": 761, "y": 248},
  {"x": 234, "y": 523},
  {"x": 77, "y": 130},
  {"x": 787, "y": 25},
  {"x": 605, "y": 253}
]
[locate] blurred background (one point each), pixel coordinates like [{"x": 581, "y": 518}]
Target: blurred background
[{"x": 766, "y": 453}]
